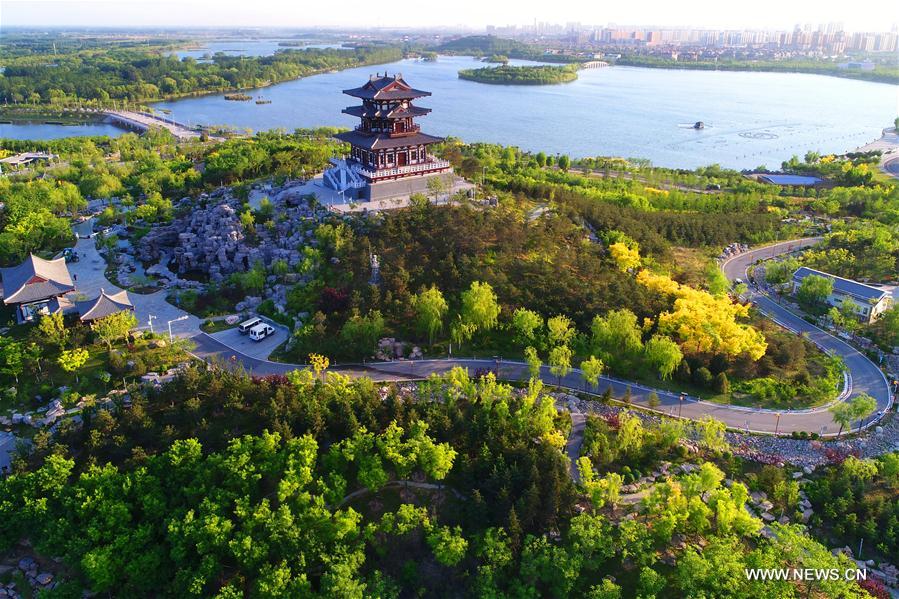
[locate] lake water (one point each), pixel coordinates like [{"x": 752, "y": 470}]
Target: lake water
[
  {"x": 43, "y": 131},
  {"x": 750, "y": 118}
]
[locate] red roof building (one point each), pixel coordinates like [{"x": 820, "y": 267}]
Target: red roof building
[{"x": 387, "y": 145}]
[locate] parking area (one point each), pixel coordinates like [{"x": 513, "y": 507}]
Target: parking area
[{"x": 255, "y": 349}]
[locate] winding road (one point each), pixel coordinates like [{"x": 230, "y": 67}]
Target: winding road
[{"x": 864, "y": 376}]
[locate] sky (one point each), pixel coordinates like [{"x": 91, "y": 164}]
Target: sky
[{"x": 875, "y": 15}]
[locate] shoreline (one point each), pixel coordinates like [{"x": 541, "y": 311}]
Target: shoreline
[{"x": 787, "y": 70}]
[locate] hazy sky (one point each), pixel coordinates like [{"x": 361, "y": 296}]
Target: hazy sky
[{"x": 871, "y": 15}]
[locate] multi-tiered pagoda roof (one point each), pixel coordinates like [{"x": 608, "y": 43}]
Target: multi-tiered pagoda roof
[{"x": 387, "y": 136}]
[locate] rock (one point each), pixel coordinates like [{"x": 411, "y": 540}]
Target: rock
[
  {"x": 870, "y": 563},
  {"x": 766, "y": 505},
  {"x": 768, "y": 517},
  {"x": 806, "y": 515},
  {"x": 797, "y": 474},
  {"x": 44, "y": 578},
  {"x": 808, "y": 469}
]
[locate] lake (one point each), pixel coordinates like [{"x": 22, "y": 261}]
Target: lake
[
  {"x": 44, "y": 131},
  {"x": 750, "y": 119}
]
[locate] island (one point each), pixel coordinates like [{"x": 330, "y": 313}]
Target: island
[{"x": 526, "y": 75}]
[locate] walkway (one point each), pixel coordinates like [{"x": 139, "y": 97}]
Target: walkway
[
  {"x": 865, "y": 376},
  {"x": 142, "y": 121},
  {"x": 89, "y": 274}
]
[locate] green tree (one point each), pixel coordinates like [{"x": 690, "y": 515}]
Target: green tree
[
  {"x": 564, "y": 162},
  {"x": 430, "y": 308},
  {"x": 361, "y": 333},
  {"x": 722, "y": 385},
  {"x": 533, "y": 361},
  {"x": 53, "y": 330},
  {"x": 617, "y": 339},
  {"x": 12, "y": 358},
  {"x": 559, "y": 330},
  {"x": 653, "y": 400},
  {"x": 71, "y": 360},
  {"x": 663, "y": 354},
  {"x": 115, "y": 326},
  {"x": 480, "y": 307},
  {"x": 448, "y": 544},
  {"x": 591, "y": 369},
  {"x": 814, "y": 290},
  {"x": 525, "y": 324},
  {"x": 560, "y": 361}
]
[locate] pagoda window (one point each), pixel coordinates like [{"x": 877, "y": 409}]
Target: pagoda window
[{"x": 414, "y": 156}]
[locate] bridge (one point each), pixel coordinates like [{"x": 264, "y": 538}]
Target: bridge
[
  {"x": 595, "y": 64},
  {"x": 142, "y": 121}
]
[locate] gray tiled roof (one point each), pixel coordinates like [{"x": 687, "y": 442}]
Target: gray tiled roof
[
  {"x": 35, "y": 279},
  {"x": 386, "y": 88},
  {"x": 844, "y": 286},
  {"x": 104, "y": 305},
  {"x": 378, "y": 142}
]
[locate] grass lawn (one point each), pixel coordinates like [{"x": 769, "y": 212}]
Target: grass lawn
[{"x": 216, "y": 326}]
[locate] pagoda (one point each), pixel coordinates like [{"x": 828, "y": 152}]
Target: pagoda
[{"x": 388, "y": 151}]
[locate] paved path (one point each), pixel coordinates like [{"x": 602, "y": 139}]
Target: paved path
[
  {"x": 90, "y": 277},
  {"x": 865, "y": 376}
]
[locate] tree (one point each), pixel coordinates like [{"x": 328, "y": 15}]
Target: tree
[
  {"x": 814, "y": 290},
  {"x": 560, "y": 330},
  {"x": 560, "y": 361},
  {"x": 115, "y": 326},
  {"x": 319, "y": 364},
  {"x": 564, "y": 162},
  {"x": 430, "y": 308},
  {"x": 591, "y": 369},
  {"x": 525, "y": 324},
  {"x": 862, "y": 405},
  {"x": 625, "y": 258},
  {"x": 480, "y": 307},
  {"x": 534, "y": 362},
  {"x": 53, "y": 330},
  {"x": 722, "y": 385},
  {"x": 616, "y": 338},
  {"x": 857, "y": 408},
  {"x": 653, "y": 401},
  {"x": 71, "y": 360},
  {"x": 12, "y": 357},
  {"x": 361, "y": 333},
  {"x": 663, "y": 354},
  {"x": 448, "y": 544},
  {"x": 842, "y": 414}
]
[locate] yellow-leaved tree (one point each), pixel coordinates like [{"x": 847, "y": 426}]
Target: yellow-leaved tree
[{"x": 704, "y": 323}]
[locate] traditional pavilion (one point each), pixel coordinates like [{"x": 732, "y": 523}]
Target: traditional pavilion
[
  {"x": 104, "y": 305},
  {"x": 389, "y": 153},
  {"x": 36, "y": 286}
]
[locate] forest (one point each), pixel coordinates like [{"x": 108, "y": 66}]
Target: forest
[
  {"x": 521, "y": 75},
  {"x": 97, "y": 77},
  {"x": 291, "y": 486}
]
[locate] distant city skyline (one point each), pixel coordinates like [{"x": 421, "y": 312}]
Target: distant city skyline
[{"x": 878, "y": 15}]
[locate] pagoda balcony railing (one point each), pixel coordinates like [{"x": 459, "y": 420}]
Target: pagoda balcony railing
[
  {"x": 409, "y": 130},
  {"x": 409, "y": 169}
]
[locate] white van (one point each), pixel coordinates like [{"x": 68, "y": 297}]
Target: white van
[
  {"x": 246, "y": 325},
  {"x": 261, "y": 331}
]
